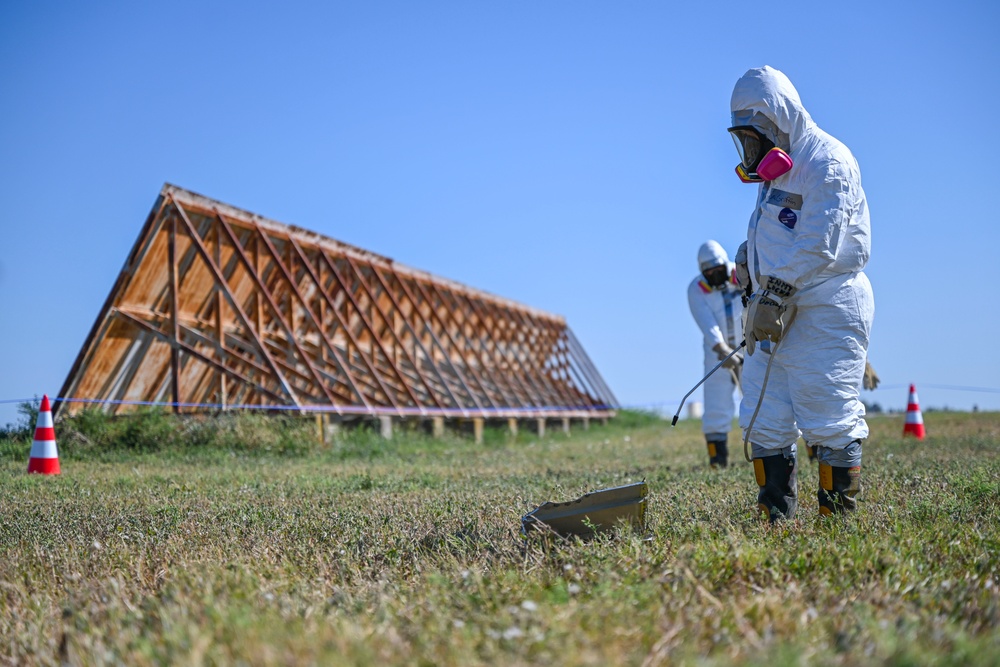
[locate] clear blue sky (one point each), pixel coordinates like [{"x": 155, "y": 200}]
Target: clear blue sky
[{"x": 569, "y": 155}]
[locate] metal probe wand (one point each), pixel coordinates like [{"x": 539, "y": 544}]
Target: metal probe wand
[{"x": 700, "y": 382}]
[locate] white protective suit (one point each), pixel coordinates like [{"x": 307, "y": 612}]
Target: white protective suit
[
  {"x": 810, "y": 229},
  {"x": 719, "y": 314}
]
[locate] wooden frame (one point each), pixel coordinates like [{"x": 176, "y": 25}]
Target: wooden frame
[{"x": 217, "y": 308}]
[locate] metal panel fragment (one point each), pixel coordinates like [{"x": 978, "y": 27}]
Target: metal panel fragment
[{"x": 593, "y": 512}]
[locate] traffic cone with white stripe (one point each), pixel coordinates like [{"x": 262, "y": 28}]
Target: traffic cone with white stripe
[
  {"x": 914, "y": 420},
  {"x": 44, "y": 455}
]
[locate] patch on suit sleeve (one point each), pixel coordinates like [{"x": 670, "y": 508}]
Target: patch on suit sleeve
[{"x": 788, "y": 200}]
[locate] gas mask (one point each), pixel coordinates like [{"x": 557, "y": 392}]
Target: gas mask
[
  {"x": 760, "y": 159},
  {"x": 716, "y": 276}
]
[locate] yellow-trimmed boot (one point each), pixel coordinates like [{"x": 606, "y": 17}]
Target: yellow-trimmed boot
[
  {"x": 838, "y": 488},
  {"x": 718, "y": 452},
  {"x": 778, "y": 496}
]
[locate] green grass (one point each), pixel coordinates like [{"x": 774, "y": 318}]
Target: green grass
[{"x": 242, "y": 540}]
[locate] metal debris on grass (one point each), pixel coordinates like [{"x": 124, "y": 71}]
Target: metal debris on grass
[{"x": 591, "y": 513}]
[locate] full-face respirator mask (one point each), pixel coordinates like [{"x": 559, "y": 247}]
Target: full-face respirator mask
[
  {"x": 716, "y": 276},
  {"x": 760, "y": 159}
]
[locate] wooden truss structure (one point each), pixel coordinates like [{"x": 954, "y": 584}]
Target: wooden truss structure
[{"x": 218, "y": 308}]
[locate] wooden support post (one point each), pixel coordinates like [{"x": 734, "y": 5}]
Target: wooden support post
[
  {"x": 541, "y": 427},
  {"x": 604, "y": 421},
  {"x": 437, "y": 427},
  {"x": 565, "y": 421},
  {"x": 586, "y": 423},
  {"x": 385, "y": 427},
  {"x": 512, "y": 427},
  {"x": 320, "y": 431},
  {"x": 477, "y": 428}
]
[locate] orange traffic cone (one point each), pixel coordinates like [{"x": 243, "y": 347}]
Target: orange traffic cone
[
  {"x": 44, "y": 455},
  {"x": 914, "y": 420}
]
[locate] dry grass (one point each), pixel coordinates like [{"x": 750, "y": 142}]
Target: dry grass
[{"x": 240, "y": 541}]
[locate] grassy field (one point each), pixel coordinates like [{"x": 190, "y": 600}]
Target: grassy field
[{"x": 242, "y": 541}]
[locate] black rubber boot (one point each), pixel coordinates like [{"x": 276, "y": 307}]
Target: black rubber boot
[
  {"x": 722, "y": 452},
  {"x": 778, "y": 497},
  {"x": 838, "y": 488},
  {"x": 718, "y": 453}
]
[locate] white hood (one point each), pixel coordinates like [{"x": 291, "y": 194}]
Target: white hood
[
  {"x": 769, "y": 92},
  {"x": 711, "y": 254}
]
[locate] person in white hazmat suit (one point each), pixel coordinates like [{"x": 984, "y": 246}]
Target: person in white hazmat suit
[
  {"x": 810, "y": 312},
  {"x": 714, "y": 298}
]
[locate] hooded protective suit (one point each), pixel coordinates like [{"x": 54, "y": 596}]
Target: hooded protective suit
[
  {"x": 810, "y": 230},
  {"x": 719, "y": 314}
]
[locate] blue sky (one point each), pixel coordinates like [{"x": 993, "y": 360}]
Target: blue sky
[{"x": 569, "y": 155}]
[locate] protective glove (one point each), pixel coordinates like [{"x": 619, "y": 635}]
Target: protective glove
[
  {"x": 734, "y": 363},
  {"x": 722, "y": 351},
  {"x": 743, "y": 271},
  {"x": 765, "y": 310},
  {"x": 871, "y": 379}
]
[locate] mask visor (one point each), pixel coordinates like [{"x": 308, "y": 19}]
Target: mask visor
[{"x": 750, "y": 144}]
